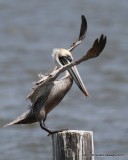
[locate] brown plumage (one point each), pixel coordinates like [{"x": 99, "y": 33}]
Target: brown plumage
[{"x": 49, "y": 91}]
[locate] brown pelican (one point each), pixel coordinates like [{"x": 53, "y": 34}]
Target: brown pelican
[{"x": 49, "y": 91}]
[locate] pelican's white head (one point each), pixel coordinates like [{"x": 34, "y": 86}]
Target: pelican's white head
[{"x": 59, "y": 53}]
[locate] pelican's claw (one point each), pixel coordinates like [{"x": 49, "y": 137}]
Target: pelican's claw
[{"x": 56, "y": 131}]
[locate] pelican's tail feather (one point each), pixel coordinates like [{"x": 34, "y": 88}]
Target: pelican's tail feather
[{"x": 25, "y": 118}]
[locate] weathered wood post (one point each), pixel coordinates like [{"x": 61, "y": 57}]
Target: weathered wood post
[{"x": 73, "y": 145}]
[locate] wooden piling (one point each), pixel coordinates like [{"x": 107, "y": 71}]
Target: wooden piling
[{"x": 73, "y": 145}]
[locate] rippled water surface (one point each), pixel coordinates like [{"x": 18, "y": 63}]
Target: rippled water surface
[{"x": 29, "y": 30}]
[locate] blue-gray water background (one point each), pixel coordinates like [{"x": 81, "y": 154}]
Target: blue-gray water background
[{"x": 29, "y": 30}]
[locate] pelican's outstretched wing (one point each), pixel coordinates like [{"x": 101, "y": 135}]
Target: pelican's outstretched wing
[
  {"x": 82, "y": 34},
  {"x": 43, "y": 75},
  {"x": 83, "y": 28},
  {"x": 93, "y": 52},
  {"x": 97, "y": 48}
]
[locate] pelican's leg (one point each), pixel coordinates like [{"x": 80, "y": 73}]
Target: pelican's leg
[{"x": 43, "y": 126}]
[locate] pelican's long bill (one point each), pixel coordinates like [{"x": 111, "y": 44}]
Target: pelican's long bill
[{"x": 75, "y": 75}]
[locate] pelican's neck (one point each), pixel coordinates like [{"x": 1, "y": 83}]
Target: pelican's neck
[
  {"x": 66, "y": 74},
  {"x": 55, "y": 58},
  {"x": 55, "y": 55}
]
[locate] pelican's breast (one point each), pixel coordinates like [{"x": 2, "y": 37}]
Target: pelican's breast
[{"x": 59, "y": 90}]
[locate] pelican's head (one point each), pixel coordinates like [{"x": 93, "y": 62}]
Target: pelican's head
[{"x": 62, "y": 57}]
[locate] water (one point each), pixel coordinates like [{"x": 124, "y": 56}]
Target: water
[{"x": 29, "y": 30}]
